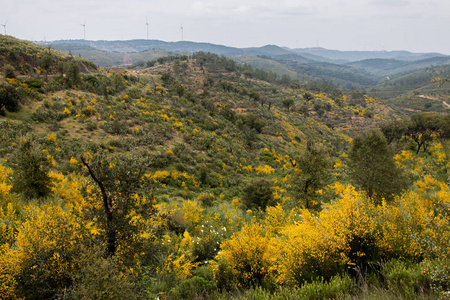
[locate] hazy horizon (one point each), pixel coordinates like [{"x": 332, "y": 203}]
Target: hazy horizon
[
  {"x": 346, "y": 25},
  {"x": 399, "y": 50}
]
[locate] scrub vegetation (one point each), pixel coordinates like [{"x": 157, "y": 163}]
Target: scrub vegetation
[{"x": 197, "y": 178}]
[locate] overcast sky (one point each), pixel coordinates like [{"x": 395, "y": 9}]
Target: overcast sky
[{"x": 414, "y": 25}]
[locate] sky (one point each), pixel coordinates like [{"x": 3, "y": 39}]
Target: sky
[{"x": 413, "y": 25}]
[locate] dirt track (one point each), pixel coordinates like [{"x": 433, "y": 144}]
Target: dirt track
[{"x": 435, "y": 98}]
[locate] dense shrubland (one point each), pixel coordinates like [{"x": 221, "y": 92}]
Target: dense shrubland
[{"x": 193, "y": 179}]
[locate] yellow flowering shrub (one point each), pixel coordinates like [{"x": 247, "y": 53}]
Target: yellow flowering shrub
[
  {"x": 8, "y": 274},
  {"x": 179, "y": 266},
  {"x": 343, "y": 234},
  {"x": 192, "y": 211},
  {"x": 43, "y": 258},
  {"x": 236, "y": 202},
  {"x": 264, "y": 169},
  {"x": 426, "y": 184},
  {"x": 51, "y": 138},
  {"x": 73, "y": 161},
  {"x": 186, "y": 242},
  {"x": 276, "y": 218},
  {"x": 400, "y": 222},
  {"x": 5, "y": 185},
  {"x": 249, "y": 256},
  {"x": 68, "y": 189}
]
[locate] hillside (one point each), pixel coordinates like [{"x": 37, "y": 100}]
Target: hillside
[
  {"x": 405, "y": 92},
  {"x": 27, "y": 58},
  {"x": 197, "y": 177},
  {"x": 353, "y": 56},
  {"x": 347, "y": 69},
  {"x": 393, "y": 67}
]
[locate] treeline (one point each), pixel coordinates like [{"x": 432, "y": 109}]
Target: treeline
[{"x": 422, "y": 128}]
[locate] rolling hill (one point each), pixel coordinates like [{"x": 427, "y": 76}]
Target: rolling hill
[{"x": 357, "y": 69}]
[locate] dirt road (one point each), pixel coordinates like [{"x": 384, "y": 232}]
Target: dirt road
[{"x": 435, "y": 98}]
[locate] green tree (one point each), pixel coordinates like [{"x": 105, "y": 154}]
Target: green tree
[
  {"x": 373, "y": 168},
  {"x": 394, "y": 131},
  {"x": 421, "y": 128},
  {"x": 288, "y": 103},
  {"x": 180, "y": 90},
  {"x": 308, "y": 96},
  {"x": 9, "y": 72},
  {"x": 119, "y": 179},
  {"x": 9, "y": 98},
  {"x": 72, "y": 71},
  {"x": 46, "y": 62},
  {"x": 312, "y": 172},
  {"x": 258, "y": 194},
  {"x": 31, "y": 169}
]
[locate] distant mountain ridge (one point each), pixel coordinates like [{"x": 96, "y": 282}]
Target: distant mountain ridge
[
  {"x": 352, "y": 56},
  {"x": 348, "y": 69},
  {"x": 318, "y": 54}
]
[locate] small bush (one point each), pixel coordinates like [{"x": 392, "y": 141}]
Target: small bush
[
  {"x": 438, "y": 273},
  {"x": 404, "y": 278},
  {"x": 9, "y": 72},
  {"x": 194, "y": 288},
  {"x": 258, "y": 194},
  {"x": 34, "y": 83},
  {"x": 206, "y": 199},
  {"x": 337, "y": 288},
  {"x": 9, "y": 98},
  {"x": 134, "y": 93},
  {"x": 100, "y": 278},
  {"x": 31, "y": 169},
  {"x": 116, "y": 127}
]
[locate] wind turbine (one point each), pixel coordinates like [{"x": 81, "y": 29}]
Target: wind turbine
[
  {"x": 146, "y": 24},
  {"x": 4, "y": 26},
  {"x": 84, "y": 29}
]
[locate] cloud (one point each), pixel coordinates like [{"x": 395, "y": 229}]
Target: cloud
[
  {"x": 336, "y": 23},
  {"x": 247, "y": 9},
  {"x": 396, "y": 3}
]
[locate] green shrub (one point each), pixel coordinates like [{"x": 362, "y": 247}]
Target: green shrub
[
  {"x": 100, "y": 278},
  {"x": 206, "y": 199},
  {"x": 34, "y": 83},
  {"x": 134, "y": 93},
  {"x": 404, "y": 277},
  {"x": 91, "y": 126},
  {"x": 258, "y": 194},
  {"x": 9, "y": 98},
  {"x": 194, "y": 288},
  {"x": 31, "y": 168},
  {"x": 337, "y": 288},
  {"x": 116, "y": 127},
  {"x": 9, "y": 72},
  {"x": 438, "y": 273}
]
